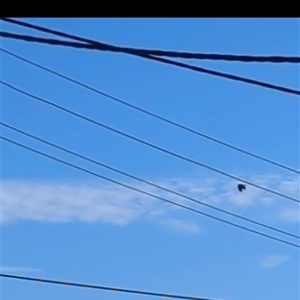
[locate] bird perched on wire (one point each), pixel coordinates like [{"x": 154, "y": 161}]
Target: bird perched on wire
[{"x": 241, "y": 187}]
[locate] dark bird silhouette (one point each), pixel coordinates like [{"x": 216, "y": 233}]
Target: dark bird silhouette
[{"x": 241, "y": 187}]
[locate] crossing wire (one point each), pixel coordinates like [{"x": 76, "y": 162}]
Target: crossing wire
[
  {"x": 101, "y": 46},
  {"x": 175, "y": 54}
]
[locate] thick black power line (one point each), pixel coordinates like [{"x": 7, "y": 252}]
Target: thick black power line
[
  {"x": 149, "y": 113},
  {"x": 147, "y": 193},
  {"x": 146, "y": 181},
  {"x": 174, "y": 54},
  {"x": 101, "y": 287},
  {"x": 102, "y": 46},
  {"x": 166, "y": 61},
  {"x": 80, "y": 116}
]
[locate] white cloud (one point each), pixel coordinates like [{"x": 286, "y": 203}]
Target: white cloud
[
  {"x": 272, "y": 261},
  {"x": 291, "y": 186},
  {"x": 15, "y": 270},
  {"x": 61, "y": 202},
  {"x": 91, "y": 201}
]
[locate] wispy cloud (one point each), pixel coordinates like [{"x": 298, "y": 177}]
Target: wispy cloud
[
  {"x": 89, "y": 201},
  {"x": 291, "y": 186},
  {"x": 61, "y": 202},
  {"x": 272, "y": 261},
  {"x": 15, "y": 270}
]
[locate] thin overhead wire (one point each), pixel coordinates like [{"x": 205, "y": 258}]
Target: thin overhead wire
[
  {"x": 149, "y": 113},
  {"x": 100, "y": 46},
  {"x": 147, "y": 193},
  {"x": 147, "y": 182},
  {"x": 80, "y": 116},
  {"x": 101, "y": 287}
]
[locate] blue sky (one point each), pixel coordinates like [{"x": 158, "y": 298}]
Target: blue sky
[{"x": 63, "y": 224}]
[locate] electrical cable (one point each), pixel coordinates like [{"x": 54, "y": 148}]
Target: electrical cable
[
  {"x": 147, "y": 193},
  {"x": 145, "y": 142},
  {"x": 100, "y": 46},
  {"x": 193, "y": 55},
  {"x": 146, "y": 181},
  {"x": 173, "y": 54},
  {"x": 149, "y": 113},
  {"x": 100, "y": 287}
]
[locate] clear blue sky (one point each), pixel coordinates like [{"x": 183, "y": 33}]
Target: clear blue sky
[{"x": 63, "y": 224}]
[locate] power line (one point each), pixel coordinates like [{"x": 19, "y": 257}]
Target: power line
[
  {"x": 80, "y": 116},
  {"x": 101, "y": 46},
  {"x": 149, "y": 113},
  {"x": 147, "y": 193},
  {"x": 159, "y": 53},
  {"x": 147, "y": 182},
  {"x": 101, "y": 287},
  {"x": 167, "y": 61}
]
